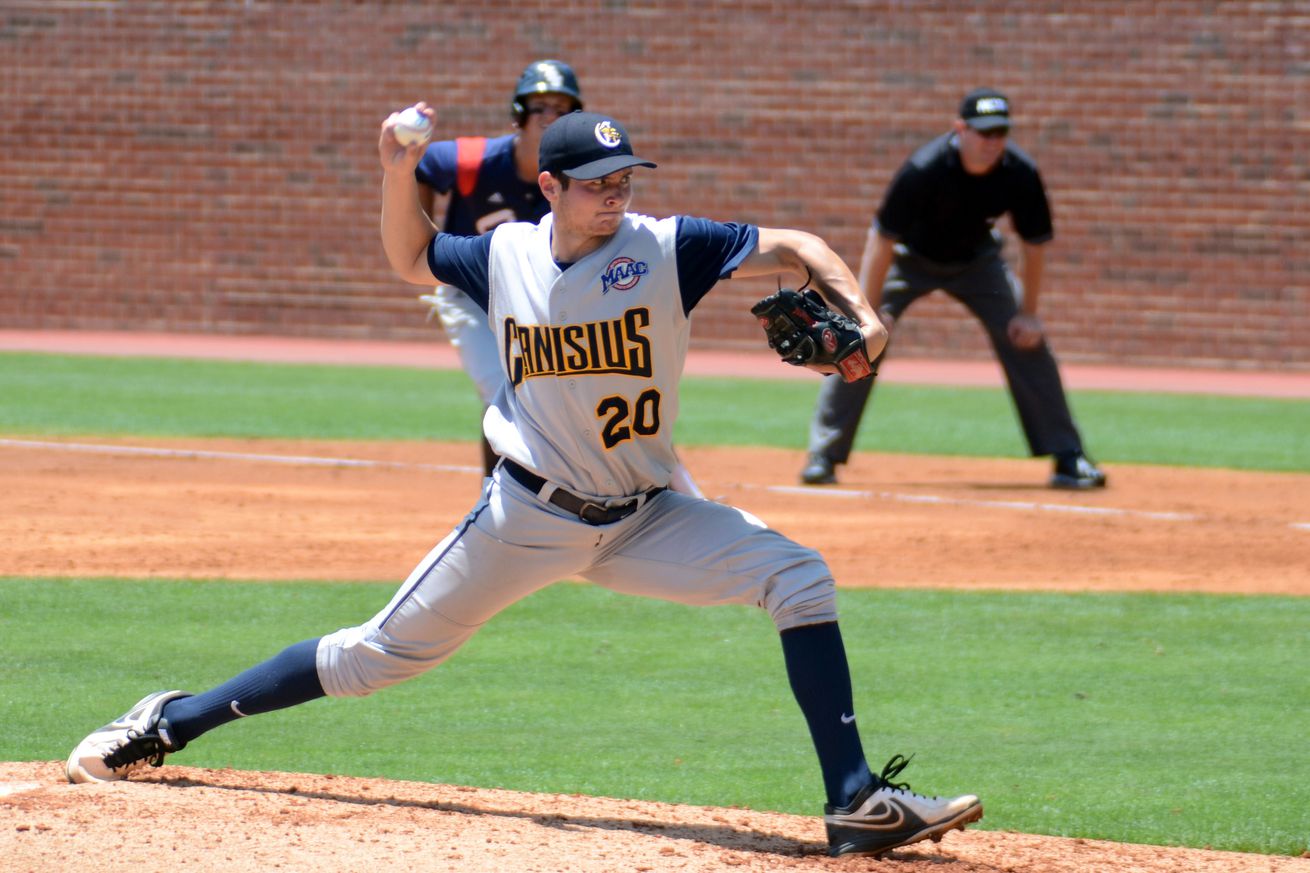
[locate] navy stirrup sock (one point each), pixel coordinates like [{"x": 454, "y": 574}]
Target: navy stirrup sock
[
  {"x": 288, "y": 678},
  {"x": 821, "y": 680}
]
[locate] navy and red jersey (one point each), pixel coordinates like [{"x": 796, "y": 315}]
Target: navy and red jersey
[{"x": 499, "y": 195}]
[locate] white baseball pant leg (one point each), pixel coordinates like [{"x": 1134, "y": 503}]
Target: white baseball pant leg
[
  {"x": 468, "y": 331},
  {"x": 512, "y": 544}
]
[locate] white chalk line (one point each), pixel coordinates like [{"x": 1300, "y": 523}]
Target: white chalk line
[
  {"x": 1022, "y": 505},
  {"x": 7, "y": 788},
  {"x": 293, "y": 460},
  {"x": 822, "y": 493}
]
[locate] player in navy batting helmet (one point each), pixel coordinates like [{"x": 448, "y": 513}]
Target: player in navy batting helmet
[{"x": 544, "y": 77}]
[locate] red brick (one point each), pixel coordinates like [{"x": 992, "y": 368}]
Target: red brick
[{"x": 149, "y": 177}]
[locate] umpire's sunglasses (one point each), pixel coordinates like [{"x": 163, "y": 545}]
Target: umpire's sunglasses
[{"x": 994, "y": 133}]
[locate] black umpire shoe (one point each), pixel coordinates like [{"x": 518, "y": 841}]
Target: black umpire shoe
[
  {"x": 1076, "y": 472},
  {"x": 818, "y": 471},
  {"x": 886, "y": 815}
]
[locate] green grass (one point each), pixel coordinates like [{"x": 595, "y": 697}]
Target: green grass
[
  {"x": 1176, "y": 429},
  {"x": 53, "y": 394},
  {"x": 57, "y": 394},
  {"x": 1174, "y": 720}
]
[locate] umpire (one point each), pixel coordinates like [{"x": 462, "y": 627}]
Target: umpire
[{"x": 935, "y": 229}]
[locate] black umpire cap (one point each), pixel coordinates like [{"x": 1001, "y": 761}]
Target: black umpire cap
[
  {"x": 585, "y": 145},
  {"x": 985, "y": 109}
]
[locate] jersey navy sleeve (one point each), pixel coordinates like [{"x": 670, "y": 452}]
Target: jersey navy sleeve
[
  {"x": 462, "y": 261},
  {"x": 709, "y": 251},
  {"x": 436, "y": 168}
]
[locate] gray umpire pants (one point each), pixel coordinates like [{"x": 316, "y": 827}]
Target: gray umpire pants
[{"x": 990, "y": 291}]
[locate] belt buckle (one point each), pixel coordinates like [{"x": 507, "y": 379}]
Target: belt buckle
[
  {"x": 585, "y": 512},
  {"x": 612, "y": 510}
]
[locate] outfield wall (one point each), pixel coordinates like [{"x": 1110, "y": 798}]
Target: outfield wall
[{"x": 211, "y": 166}]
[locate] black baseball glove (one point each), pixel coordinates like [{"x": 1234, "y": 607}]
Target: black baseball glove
[{"x": 803, "y": 330}]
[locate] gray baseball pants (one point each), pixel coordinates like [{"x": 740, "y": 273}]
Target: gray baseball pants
[{"x": 675, "y": 547}]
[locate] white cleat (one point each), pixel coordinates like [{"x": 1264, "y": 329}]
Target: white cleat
[
  {"x": 886, "y": 816},
  {"x": 126, "y": 744}
]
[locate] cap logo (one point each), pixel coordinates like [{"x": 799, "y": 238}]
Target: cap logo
[
  {"x": 608, "y": 135},
  {"x": 992, "y": 106},
  {"x": 551, "y": 80}
]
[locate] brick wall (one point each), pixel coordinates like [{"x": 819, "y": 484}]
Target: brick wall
[{"x": 210, "y": 166}]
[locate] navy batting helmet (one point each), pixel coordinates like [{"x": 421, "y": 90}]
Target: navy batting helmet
[{"x": 545, "y": 77}]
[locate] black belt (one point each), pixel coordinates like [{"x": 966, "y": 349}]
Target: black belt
[{"x": 586, "y": 510}]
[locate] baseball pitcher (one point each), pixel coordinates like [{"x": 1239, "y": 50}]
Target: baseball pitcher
[{"x": 590, "y": 309}]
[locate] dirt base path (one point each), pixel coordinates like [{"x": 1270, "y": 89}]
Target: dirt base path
[
  {"x": 281, "y": 510},
  {"x": 248, "y": 509}
]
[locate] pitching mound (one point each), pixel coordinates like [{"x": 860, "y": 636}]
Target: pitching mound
[{"x": 186, "y": 818}]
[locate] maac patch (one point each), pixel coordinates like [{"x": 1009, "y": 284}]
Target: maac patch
[{"x": 622, "y": 274}]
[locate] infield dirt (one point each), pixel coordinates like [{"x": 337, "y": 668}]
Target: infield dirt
[{"x": 265, "y": 509}]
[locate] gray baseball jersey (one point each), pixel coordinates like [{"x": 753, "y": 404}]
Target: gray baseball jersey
[{"x": 592, "y": 352}]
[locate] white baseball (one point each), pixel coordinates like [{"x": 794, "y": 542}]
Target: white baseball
[{"x": 412, "y": 127}]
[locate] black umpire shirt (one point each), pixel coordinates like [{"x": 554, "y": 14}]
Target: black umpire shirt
[{"x": 944, "y": 214}]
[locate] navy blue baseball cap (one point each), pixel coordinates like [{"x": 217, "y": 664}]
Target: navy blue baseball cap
[
  {"x": 586, "y": 145},
  {"x": 985, "y": 109}
]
